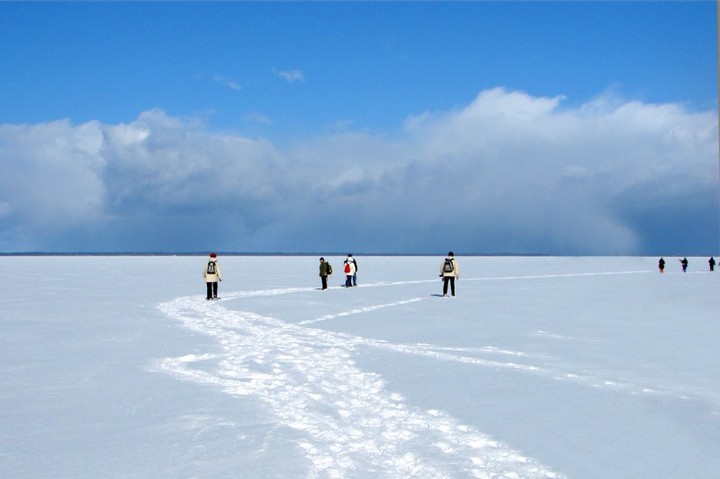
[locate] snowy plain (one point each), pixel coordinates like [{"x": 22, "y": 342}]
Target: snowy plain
[{"x": 540, "y": 367}]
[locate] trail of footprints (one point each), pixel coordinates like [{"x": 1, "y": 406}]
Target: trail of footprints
[{"x": 348, "y": 423}]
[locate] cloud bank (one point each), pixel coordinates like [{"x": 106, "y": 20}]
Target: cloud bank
[{"x": 507, "y": 173}]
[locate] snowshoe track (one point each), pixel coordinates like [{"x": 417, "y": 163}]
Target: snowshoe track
[{"x": 348, "y": 423}]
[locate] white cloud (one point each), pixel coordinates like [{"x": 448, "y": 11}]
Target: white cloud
[
  {"x": 512, "y": 172},
  {"x": 508, "y": 172},
  {"x": 50, "y": 174},
  {"x": 291, "y": 76},
  {"x": 231, "y": 84},
  {"x": 258, "y": 118}
]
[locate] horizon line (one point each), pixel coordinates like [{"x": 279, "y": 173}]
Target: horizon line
[{"x": 277, "y": 253}]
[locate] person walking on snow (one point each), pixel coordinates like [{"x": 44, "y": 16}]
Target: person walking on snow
[
  {"x": 212, "y": 275},
  {"x": 325, "y": 271},
  {"x": 684, "y": 263},
  {"x": 354, "y": 267},
  {"x": 349, "y": 268},
  {"x": 712, "y": 263},
  {"x": 449, "y": 272},
  {"x": 661, "y": 265}
]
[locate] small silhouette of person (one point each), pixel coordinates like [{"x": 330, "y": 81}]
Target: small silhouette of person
[
  {"x": 712, "y": 263},
  {"x": 684, "y": 263},
  {"x": 661, "y": 265}
]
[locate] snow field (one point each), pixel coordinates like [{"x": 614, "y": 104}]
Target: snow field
[{"x": 539, "y": 368}]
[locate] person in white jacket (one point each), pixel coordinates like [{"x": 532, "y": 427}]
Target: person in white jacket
[
  {"x": 350, "y": 268},
  {"x": 449, "y": 272},
  {"x": 353, "y": 267},
  {"x": 212, "y": 275}
]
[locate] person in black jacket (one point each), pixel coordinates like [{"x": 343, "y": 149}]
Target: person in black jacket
[
  {"x": 712, "y": 263},
  {"x": 661, "y": 265}
]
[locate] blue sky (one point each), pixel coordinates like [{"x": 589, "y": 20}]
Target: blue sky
[{"x": 528, "y": 127}]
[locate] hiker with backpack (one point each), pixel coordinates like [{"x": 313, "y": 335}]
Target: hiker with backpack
[
  {"x": 449, "y": 272},
  {"x": 212, "y": 275},
  {"x": 353, "y": 265},
  {"x": 325, "y": 271},
  {"x": 349, "y": 268}
]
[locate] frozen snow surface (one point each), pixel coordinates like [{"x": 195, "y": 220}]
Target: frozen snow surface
[{"x": 540, "y": 367}]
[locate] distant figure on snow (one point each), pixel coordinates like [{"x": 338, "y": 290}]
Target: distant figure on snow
[
  {"x": 684, "y": 263},
  {"x": 354, "y": 268},
  {"x": 449, "y": 272},
  {"x": 711, "y": 262},
  {"x": 661, "y": 265},
  {"x": 350, "y": 268},
  {"x": 212, "y": 275},
  {"x": 325, "y": 271}
]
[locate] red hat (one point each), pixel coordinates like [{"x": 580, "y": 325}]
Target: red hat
[{"x": 213, "y": 255}]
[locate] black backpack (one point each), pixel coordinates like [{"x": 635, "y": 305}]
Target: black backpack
[
  {"x": 329, "y": 269},
  {"x": 448, "y": 266},
  {"x": 211, "y": 267}
]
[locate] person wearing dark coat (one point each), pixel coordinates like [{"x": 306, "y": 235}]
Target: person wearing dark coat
[
  {"x": 661, "y": 265},
  {"x": 712, "y": 263},
  {"x": 684, "y": 263},
  {"x": 325, "y": 271}
]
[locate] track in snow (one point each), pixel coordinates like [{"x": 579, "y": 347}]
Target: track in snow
[{"x": 350, "y": 424}]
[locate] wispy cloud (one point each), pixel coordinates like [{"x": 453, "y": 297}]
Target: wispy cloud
[
  {"x": 259, "y": 118},
  {"x": 509, "y": 172},
  {"x": 232, "y": 84},
  {"x": 291, "y": 76}
]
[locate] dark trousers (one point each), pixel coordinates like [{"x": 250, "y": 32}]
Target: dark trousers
[
  {"x": 451, "y": 280},
  {"x": 323, "y": 279},
  {"x": 211, "y": 290},
  {"x": 348, "y": 280}
]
